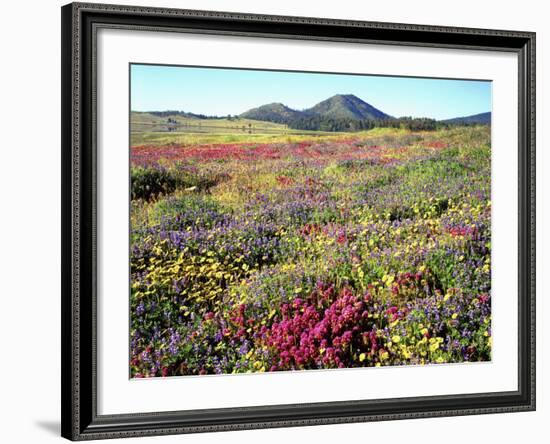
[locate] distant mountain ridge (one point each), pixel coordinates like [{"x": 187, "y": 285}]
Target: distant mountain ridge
[
  {"x": 481, "y": 119},
  {"x": 341, "y": 112},
  {"x": 339, "y": 106}
]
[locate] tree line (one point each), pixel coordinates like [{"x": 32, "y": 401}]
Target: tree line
[
  {"x": 323, "y": 123},
  {"x": 316, "y": 122}
]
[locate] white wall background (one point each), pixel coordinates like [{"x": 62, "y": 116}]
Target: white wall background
[{"x": 30, "y": 221}]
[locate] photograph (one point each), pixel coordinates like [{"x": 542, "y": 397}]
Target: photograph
[
  {"x": 300, "y": 221},
  {"x": 295, "y": 217}
]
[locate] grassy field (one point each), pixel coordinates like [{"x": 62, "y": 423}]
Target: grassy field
[
  {"x": 154, "y": 130},
  {"x": 146, "y": 122},
  {"x": 278, "y": 251}
]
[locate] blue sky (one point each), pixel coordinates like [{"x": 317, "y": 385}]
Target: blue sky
[{"x": 215, "y": 91}]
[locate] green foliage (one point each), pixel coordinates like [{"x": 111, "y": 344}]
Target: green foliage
[{"x": 149, "y": 183}]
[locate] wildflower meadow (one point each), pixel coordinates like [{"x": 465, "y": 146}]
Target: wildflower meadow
[{"x": 302, "y": 252}]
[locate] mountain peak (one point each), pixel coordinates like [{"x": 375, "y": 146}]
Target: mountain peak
[
  {"x": 347, "y": 106},
  {"x": 276, "y": 105},
  {"x": 346, "y": 96}
]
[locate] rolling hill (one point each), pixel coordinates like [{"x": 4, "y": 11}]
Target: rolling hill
[
  {"x": 272, "y": 112},
  {"x": 481, "y": 119},
  {"x": 167, "y": 121}
]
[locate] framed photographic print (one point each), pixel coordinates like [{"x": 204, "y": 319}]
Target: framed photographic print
[{"x": 278, "y": 221}]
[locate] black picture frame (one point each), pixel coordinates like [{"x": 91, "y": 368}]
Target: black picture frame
[{"x": 80, "y": 420}]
